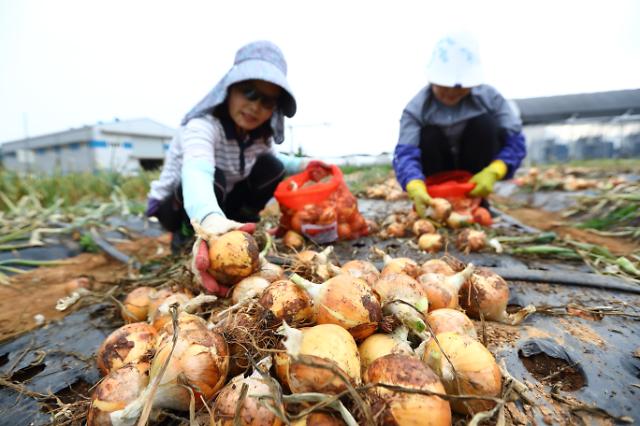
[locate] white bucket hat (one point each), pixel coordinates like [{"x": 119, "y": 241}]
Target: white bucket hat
[
  {"x": 259, "y": 60},
  {"x": 455, "y": 61}
]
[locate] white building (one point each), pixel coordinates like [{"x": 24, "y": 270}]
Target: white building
[{"x": 122, "y": 146}]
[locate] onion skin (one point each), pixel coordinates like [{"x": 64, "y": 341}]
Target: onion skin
[
  {"x": 252, "y": 412},
  {"x": 398, "y": 265},
  {"x": 451, "y": 320},
  {"x": 270, "y": 271},
  {"x": 380, "y": 344},
  {"x": 130, "y": 344},
  {"x": 161, "y": 315},
  {"x": 423, "y": 226},
  {"x": 287, "y": 302},
  {"x": 487, "y": 293},
  {"x": 115, "y": 391},
  {"x": 401, "y": 408},
  {"x": 345, "y": 301},
  {"x": 478, "y": 373},
  {"x": 249, "y": 288},
  {"x": 442, "y": 290},
  {"x": 361, "y": 269},
  {"x": 137, "y": 304},
  {"x": 233, "y": 256},
  {"x": 437, "y": 266},
  {"x": 324, "y": 344},
  {"x": 200, "y": 360}
]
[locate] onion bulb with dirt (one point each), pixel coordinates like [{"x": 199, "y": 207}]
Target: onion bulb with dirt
[
  {"x": 486, "y": 294},
  {"x": 314, "y": 353},
  {"x": 431, "y": 243},
  {"x": 403, "y": 408},
  {"x": 285, "y": 301},
  {"x": 313, "y": 264},
  {"x": 252, "y": 412},
  {"x": 398, "y": 265},
  {"x": 423, "y": 226},
  {"x": 135, "y": 307},
  {"x": 437, "y": 266},
  {"x": 233, "y": 256},
  {"x": 442, "y": 290},
  {"x": 404, "y": 298},
  {"x": 450, "y": 320},
  {"x": 381, "y": 344},
  {"x": 130, "y": 344},
  {"x": 345, "y": 301},
  {"x": 113, "y": 393},
  {"x": 476, "y": 368},
  {"x": 471, "y": 240}
]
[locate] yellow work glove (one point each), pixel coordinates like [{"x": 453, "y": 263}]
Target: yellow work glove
[
  {"x": 417, "y": 191},
  {"x": 486, "y": 177}
]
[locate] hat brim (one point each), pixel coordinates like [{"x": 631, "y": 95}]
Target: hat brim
[{"x": 255, "y": 69}]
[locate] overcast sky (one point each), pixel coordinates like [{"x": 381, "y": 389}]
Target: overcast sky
[{"x": 353, "y": 65}]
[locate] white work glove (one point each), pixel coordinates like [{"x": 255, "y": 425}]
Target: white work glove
[{"x": 215, "y": 225}]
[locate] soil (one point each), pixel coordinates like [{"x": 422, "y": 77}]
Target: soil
[
  {"x": 37, "y": 291},
  {"x": 551, "y": 221},
  {"x": 554, "y": 372}
]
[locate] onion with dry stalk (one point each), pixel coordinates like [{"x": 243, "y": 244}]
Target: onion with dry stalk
[
  {"x": 346, "y": 301},
  {"x": 398, "y": 265},
  {"x": 162, "y": 314},
  {"x": 361, "y": 269},
  {"x": 285, "y": 301},
  {"x": 439, "y": 209},
  {"x": 471, "y": 240},
  {"x": 114, "y": 393},
  {"x": 450, "y": 320},
  {"x": 233, "y": 256},
  {"x": 437, "y": 266},
  {"x": 487, "y": 293},
  {"x": 472, "y": 371},
  {"x": 135, "y": 307},
  {"x": 293, "y": 240},
  {"x": 311, "y": 263},
  {"x": 130, "y": 344},
  {"x": 431, "y": 243},
  {"x": 381, "y": 344},
  {"x": 423, "y": 226},
  {"x": 252, "y": 412},
  {"x": 404, "y": 408},
  {"x": 442, "y": 290},
  {"x": 316, "y": 354},
  {"x": 404, "y": 298}
]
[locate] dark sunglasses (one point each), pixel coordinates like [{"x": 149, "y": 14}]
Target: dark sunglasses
[{"x": 250, "y": 93}]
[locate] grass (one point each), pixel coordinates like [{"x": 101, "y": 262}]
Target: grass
[
  {"x": 71, "y": 189},
  {"x": 359, "y": 178}
]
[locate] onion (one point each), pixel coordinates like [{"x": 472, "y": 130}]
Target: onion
[
  {"x": 161, "y": 314},
  {"x": 476, "y": 368},
  {"x": 115, "y": 392},
  {"x": 399, "y": 265},
  {"x": 318, "y": 418},
  {"x": 313, "y": 263},
  {"x": 380, "y": 344},
  {"x": 458, "y": 220},
  {"x": 293, "y": 240},
  {"x": 233, "y": 256},
  {"x": 402, "y": 408},
  {"x": 361, "y": 269},
  {"x": 252, "y": 412},
  {"x": 287, "y": 302},
  {"x": 404, "y": 298},
  {"x": 439, "y": 210},
  {"x": 327, "y": 345},
  {"x": 345, "y": 301},
  {"x": 249, "y": 288},
  {"x": 344, "y": 231},
  {"x": 431, "y": 243},
  {"x": 396, "y": 230},
  {"x": 437, "y": 266},
  {"x": 445, "y": 320},
  {"x": 156, "y": 298},
  {"x": 442, "y": 290},
  {"x": 270, "y": 271},
  {"x": 487, "y": 293},
  {"x": 471, "y": 240},
  {"x": 135, "y": 307},
  {"x": 423, "y": 226},
  {"x": 130, "y": 344}
]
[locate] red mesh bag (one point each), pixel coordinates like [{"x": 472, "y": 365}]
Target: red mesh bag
[
  {"x": 317, "y": 203},
  {"x": 454, "y": 186}
]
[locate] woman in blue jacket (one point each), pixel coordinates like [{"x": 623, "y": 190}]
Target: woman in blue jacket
[{"x": 457, "y": 123}]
